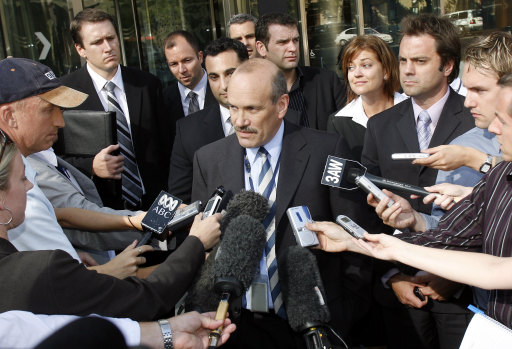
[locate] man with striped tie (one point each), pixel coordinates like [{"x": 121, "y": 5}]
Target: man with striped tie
[
  {"x": 283, "y": 162},
  {"x": 131, "y": 174}
]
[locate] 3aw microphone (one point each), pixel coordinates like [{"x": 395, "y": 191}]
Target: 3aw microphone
[{"x": 341, "y": 173}]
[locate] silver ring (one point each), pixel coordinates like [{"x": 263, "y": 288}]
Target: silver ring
[{"x": 140, "y": 250}]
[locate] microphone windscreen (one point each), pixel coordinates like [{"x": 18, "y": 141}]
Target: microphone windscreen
[
  {"x": 240, "y": 250},
  {"x": 303, "y": 290},
  {"x": 246, "y": 202}
]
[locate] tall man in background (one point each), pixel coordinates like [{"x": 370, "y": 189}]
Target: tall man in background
[
  {"x": 133, "y": 178},
  {"x": 242, "y": 27}
]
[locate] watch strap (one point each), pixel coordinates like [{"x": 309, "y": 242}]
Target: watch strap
[{"x": 165, "y": 327}]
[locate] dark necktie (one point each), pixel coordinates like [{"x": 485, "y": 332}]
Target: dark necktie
[
  {"x": 130, "y": 180},
  {"x": 193, "y": 105}
]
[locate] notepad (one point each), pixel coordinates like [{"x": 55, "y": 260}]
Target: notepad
[{"x": 484, "y": 332}]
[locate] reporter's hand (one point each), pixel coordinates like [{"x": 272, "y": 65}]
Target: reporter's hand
[
  {"x": 207, "y": 230},
  {"x": 400, "y": 215},
  {"x": 127, "y": 262},
  {"x": 105, "y": 165},
  {"x": 191, "y": 330},
  {"x": 87, "y": 259},
  {"x": 332, "y": 237},
  {"x": 436, "y": 287},
  {"x": 137, "y": 220},
  {"x": 380, "y": 246},
  {"x": 450, "y": 194},
  {"x": 403, "y": 286}
]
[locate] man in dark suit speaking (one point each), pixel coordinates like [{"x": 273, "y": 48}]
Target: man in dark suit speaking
[
  {"x": 222, "y": 57},
  {"x": 290, "y": 160},
  {"x": 314, "y": 92},
  {"x": 133, "y": 178}
]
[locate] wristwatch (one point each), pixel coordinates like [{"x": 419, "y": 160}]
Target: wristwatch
[
  {"x": 165, "y": 327},
  {"x": 486, "y": 166}
]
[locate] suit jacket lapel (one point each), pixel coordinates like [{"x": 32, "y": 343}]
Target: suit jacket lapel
[
  {"x": 294, "y": 158},
  {"x": 92, "y": 102},
  {"x": 448, "y": 121},
  {"x": 407, "y": 127},
  {"x": 134, "y": 100},
  {"x": 233, "y": 162},
  {"x": 212, "y": 121}
]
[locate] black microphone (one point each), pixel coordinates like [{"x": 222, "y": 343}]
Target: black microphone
[
  {"x": 341, "y": 173},
  {"x": 304, "y": 297},
  {"x": 245, "y": 202},
  {"x": 236, "y": 262}
]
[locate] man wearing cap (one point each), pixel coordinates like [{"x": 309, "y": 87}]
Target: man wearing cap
[
  {"x": 30, "y": 97},
  {"x": 133, "y": 178}
]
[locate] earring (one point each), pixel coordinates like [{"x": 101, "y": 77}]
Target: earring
[
  {"x": 10, "y": 219},
  {"x": 386, "y": 77}
]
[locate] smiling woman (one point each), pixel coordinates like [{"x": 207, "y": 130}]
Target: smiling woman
[{"x": 371, "y": 69}]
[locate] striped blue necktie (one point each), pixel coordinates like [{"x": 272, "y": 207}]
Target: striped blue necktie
[
  {"x": 267, "y": 188},
  {"x": 130, "y": 180},
  {"x": 423, "y": 129}
]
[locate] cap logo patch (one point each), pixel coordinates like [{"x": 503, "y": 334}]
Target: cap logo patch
[{"x": 50, "y": 75}]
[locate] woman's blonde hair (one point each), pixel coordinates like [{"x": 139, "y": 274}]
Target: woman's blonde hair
[{"x": 6, "y": 164}]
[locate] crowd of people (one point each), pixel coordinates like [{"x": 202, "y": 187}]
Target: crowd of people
[{"x": 244, "y": 114}]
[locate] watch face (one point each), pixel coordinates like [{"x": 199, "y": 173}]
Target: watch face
[{"x": 485, "y": 168}]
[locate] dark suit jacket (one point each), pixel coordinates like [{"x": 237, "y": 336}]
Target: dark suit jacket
[
  {"x": 193, "y": 132},
  {"x": 149, "y": 126},
  {"x": 172, "y": 101},
  {"x": 303, "y": 156},
  {"x": 323, "y": 93},
  {"x": 351, "y": 131},
  {"x": 51, "y": 282},
  {"x": 394, "y": 131}
]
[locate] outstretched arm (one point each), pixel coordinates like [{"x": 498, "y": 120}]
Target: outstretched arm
[{"x": 477, "y": 269}]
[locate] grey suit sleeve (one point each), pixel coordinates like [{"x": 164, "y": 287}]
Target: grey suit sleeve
[
  {"x": 199, "y": 185},
  {"x": 62, "y": 193}
]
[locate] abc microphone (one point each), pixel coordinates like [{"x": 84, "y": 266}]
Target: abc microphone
[
  {"x": 303, "y": 293},
  {"x": 236, "y": 262}
]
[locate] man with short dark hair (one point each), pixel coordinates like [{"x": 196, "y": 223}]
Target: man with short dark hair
[
  {"x": 314, "y": 92},
  {"x": 242, "y": 27},
  {"x": 429, "y": 60},
  {"x": 134, "y": 178},
  {"x": 222, "y": 57},
  {"x": 191, "y": 92}
]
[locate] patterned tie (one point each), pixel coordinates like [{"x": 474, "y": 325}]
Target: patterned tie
[
  {"x": 130, "y": 180},
  {"x": 423, "y": 129},
  {"x": 193, "y": 105},
  {"x": 267, "y": 188}
]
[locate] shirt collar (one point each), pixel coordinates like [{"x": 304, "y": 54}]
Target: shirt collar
[
  {"x": 355, "y": 109},
  {"x": 200, "y": 88},
  {"x": 224, "y": 113},
  {"x": 273, "y": 147},
  {"x": 47, "y": 156},
  {"x": 99, "y": 81},
  {"x": 434, "y": 111}
]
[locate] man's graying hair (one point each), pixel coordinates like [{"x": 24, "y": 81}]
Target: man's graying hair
[{"x": 241, "y": 18}]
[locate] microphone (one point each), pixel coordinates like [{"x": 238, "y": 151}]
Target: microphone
[
  {"x": 341, "y": 173},
  {"x": 245, "y": 202},
  {"x": 303, "y": 293},
  {"x": 236, "y": 262},
  {"x": 201, "y": 296}
]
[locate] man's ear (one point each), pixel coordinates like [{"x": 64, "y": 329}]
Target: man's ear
[
  {"x": 262, "y": 50},
  {"x": 81, "y": 51},
  {"x": 448, "y": 68},
  {"x": 282, "y": 105},
  {"x": 7, "y": 118}
]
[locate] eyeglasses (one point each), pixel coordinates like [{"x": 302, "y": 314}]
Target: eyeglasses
[{"x": 4, "y": 140}]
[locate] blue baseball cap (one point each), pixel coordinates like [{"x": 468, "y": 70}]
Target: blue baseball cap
[{"x": 22, "y": 78}]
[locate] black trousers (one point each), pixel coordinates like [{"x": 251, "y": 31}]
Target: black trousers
[{"x": 262, "y": 330}]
